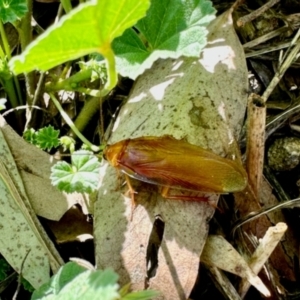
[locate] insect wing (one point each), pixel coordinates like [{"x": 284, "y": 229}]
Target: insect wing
[{"x": 170, "y": 162}]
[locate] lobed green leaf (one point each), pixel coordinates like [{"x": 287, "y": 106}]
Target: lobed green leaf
[
  {"x": 81, "y": 176},
  {"x": 89, "y": 28},
  {"x": 172, "y": 28},
  {"x": 12, "y": 10}
]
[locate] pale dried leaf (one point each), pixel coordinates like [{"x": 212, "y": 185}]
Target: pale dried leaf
[
  {"x": 34, "y": 166},
  {"x": 219, "y": 253},
  {"x": 73, "y": 226},
  {"x": 223, "y": 283},
  {"x": 282, "y": 258},
  {"x": 202, "y": 101},
  {"x": 262, "y": 253},
  {"x": 22, "y": 236}
]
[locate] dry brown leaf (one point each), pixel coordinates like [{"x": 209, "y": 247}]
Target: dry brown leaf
[
  {"x": 200, "y": 100},
  {"x": 219, "y": 253},
  {"x": 34, "y": 167},
  {"x": 22, "y": 235},
  {"x": 261, "y": 255},
  {"x": 73, "y": 226},
  {"x": 282, "y": 259},
  {"x": 281, "y": 262}
]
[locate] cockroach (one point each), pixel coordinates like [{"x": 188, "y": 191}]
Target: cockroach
[{"x": 174, "y": 163}]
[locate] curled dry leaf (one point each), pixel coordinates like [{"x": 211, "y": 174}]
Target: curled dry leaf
[
  {"x": 281, "y": 261},
  {"x": 262, "y": 253},
  {"x": 34, "y": 166},
  {"x": 202, "y": 101},
  {"x": 25, "y": 172},
  {"x": 24, "y": 243},
  {"x": 73, "y": 226},
  {"x": 219, "y": 253}
]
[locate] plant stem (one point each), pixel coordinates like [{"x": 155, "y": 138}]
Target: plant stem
[
  {"x": 90, "y": 108},
  {"x": 70, "y": 83},
  {"x": 11, "y": 85},
  {"x": 4, "y": 41},
  {"x": 92, "y": 92},
  {"x": 2, "y": 54},
  {"x": 66, "y": 5},
  {"x": 24, "y": 29},
  {"x": 37, "y": 95},
  {"x": 112, "y": 74},
  {"x": 18, "y": 90},
  {"x": 9, "y": 88},
  {"x": 72, "y": 126}
]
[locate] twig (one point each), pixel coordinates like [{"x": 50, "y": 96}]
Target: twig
[
  {"x": 256, "y": 13},
  {"x": 255, "y": 141},
  {"x": 267, "y": 50},
  {"x": 24, "y": 107},
  {"x": 219, "y": 253},
  {"x": 265, "y": 37},
  {"x": 35, "y": 98},
  {"x": 283, "y": 67},
  {"x": 275, "y": 122},
  {"x": 264, "y": 211},
  {"x": 263, "y": 251},
  {"x": 20, "y": 277}
]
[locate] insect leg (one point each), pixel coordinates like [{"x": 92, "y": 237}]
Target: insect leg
[
  {"x": 132, "y": 192},
  {"x": 165, "y": 194}
]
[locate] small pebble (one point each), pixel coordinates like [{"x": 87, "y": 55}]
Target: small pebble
[{"x": 284, "y": 154}]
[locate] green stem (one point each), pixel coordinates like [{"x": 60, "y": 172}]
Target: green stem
[
  {"x": 24, "y": 29},
  {"x": 90, "y": 108},
  {"x": 2, "y": 54},
  {"x": 71, "y": 124},
  {"x": 93, "y": 105},
  {"x": 66, "y": 5},
  {"x": 9, "y": 88},
  {"x": 11, "y": 85},
  {"x": 18, "y": 89},
  {"x": 4, "y": 41},
  {"x": 92, "y": 92},
  {"x": 112, "y": 74},
  {"x": 65, "y": 70},
  {"x": 70, "y": 83}
]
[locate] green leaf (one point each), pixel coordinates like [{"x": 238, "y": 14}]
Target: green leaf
[
  {"x": 141, "y": 295},
  {"x": 172, "y": 28},
  {"x": 91, "y": 285},
  {"x": 75, "y": 282},
  {"x": 5, "y": 72},
  {"x": 12, "y": 10},
  {"x": 47, "y": 138},
  {"x": 4, "y": 269},
  {"x": 26, "y": 285},
  {"x": 68, "y": 143},
  {"x": 65, "y": 274},
  {"x": 81, "y": 176},
  {"x": 29, "y": 135},
  {"x": 89, "y": 28}
]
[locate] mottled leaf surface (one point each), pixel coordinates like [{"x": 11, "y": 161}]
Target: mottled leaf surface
[{"x": 200, "y": 100}]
